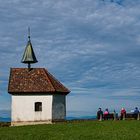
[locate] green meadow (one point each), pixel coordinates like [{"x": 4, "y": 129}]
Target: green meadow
[{"x": 78, "y": 130}]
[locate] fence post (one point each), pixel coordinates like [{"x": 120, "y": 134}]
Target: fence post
[
  {"x": 114, "y": 116},
  {"x": 100, "y": 117},
  {"x": 124, "y": 116},
  {"x": 138, "y": 117}
]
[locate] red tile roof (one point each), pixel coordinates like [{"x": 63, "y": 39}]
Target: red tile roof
[{"x": 35, "y": 80}]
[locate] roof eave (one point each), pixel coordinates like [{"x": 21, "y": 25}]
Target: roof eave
[{"x": 37, "y": 93}]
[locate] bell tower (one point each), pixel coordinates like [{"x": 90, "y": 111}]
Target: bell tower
[{"x": 29, "y": 55}]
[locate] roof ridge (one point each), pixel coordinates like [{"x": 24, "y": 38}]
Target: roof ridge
[
  {"x": 49, "y": 79},
  {"x": 50, "y": 75}
]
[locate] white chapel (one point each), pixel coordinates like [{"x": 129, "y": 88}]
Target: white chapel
[{"x": 37, "y": 96}]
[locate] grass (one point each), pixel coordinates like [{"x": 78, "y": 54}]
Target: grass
[{"x": 84, "y": 130}]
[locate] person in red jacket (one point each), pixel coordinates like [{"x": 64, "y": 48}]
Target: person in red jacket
[
  {"x": 106, "y": 114},
  {"x": 123, "y": 114}
]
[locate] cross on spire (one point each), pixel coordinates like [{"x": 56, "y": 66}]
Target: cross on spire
[{"x": 29, "y": 33}]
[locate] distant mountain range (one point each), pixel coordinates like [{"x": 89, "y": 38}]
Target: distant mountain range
[
  {"x": 67, "y": 118},
  {"x": 5, "y": 116},
  {"x": 5, "y": 119},
  {"x": 81, "y": 118}
]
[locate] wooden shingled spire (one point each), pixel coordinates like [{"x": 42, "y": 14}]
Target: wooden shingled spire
[{"x": 29, "y": 55}]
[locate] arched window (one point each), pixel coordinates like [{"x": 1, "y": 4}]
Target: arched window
[{"x": 38, "y": 106}]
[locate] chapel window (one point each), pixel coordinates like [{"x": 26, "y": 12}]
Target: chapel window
[{"x": 38, "y": 106}]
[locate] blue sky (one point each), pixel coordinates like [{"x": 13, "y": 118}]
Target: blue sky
[{"x": 91, "y": 46}]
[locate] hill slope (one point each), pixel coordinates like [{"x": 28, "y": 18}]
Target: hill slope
[{"x": 85, "y": 130}]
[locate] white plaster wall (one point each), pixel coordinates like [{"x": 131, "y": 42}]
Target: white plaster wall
[
  {"x": 59, "y": 107},
  {"x": 23, "y": 108}
]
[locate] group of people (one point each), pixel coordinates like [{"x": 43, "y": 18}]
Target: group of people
[
  {"x": 106, "y": 115},
  {"x": 101, "y": 114}
]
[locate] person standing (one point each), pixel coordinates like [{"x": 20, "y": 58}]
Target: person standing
[
  {"x": 123, "y": 114},
  {"x": 136, "y": 113},
  {"x": 115, "y": 115},
  {"x": 100, "y": 114}
]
